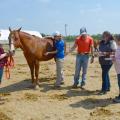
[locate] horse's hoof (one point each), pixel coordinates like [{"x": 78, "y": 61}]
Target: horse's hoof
[{"x": 36, "y": 87}]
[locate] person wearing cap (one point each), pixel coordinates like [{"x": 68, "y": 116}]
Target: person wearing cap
[
  {"x": 84, "y": 44},
  {"x": 60, "y": 53}
]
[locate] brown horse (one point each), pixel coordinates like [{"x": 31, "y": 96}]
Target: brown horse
[{"x": 33, "y": 48}]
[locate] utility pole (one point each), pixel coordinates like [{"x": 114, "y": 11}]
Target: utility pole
[
  {"x": 66, "y": 34},
  {"x": 66, "y": 29}
]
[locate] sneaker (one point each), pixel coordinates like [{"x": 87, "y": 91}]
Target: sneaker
[
  {"x": 82, "y": 83},
  {"x": 117, "y": 99},
  {"x": 108, "y": 90},
  {"x": 75, "y": 86},
  {"x": 62, "y": 83},
  {"x": 117, "y": 96},
  {"x": 57, "y": 87},
  {"x": 102, "y": 93}
]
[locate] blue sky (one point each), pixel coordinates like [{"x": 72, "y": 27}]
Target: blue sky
[{"x": 47, "y": 16}]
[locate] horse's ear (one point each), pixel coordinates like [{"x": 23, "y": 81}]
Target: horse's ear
[
  {"x": 10, "y": 29},
  {"x": 19, "y": 29}
]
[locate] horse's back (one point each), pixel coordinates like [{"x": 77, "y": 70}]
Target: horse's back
[
  {"x": 45, "y": 45},
  {"x": 39, "y": 46}
]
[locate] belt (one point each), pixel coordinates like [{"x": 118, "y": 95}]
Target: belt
[{"x": 83, "y": 53}]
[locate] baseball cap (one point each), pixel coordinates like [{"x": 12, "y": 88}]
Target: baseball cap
[
  {"x": 56, "y": 33},
  {"x": 83, "y": 31}
]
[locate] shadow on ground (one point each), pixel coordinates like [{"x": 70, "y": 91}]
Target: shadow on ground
[
  {"x": 91, "y": 103},
  {"x": 25, "y": 85}
]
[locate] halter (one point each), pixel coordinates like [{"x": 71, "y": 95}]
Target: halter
[{"x": 11, "y": 43}]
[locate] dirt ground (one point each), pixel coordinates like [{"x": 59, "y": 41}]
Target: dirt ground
[{"x": 18, "y": 102}]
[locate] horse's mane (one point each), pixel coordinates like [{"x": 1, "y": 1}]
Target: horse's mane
[
  {"x": 48, "y": 37},
  {"x": 29, "y": 36}
]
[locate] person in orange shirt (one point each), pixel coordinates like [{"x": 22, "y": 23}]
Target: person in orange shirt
[{"x": 85, "y": 45}]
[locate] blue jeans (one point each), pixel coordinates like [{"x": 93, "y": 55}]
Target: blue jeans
[
  {"x": 118, "y": 76},
  {"x": 1, "y": 74},
  {"x": 81, "y": 63},
  {"x": 105, "y": 77}
]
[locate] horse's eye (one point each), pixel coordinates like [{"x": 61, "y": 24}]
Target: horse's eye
[{"x": 16, "y": 39}]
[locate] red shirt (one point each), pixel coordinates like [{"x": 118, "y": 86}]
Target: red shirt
[{"x": 84, "y": 45}]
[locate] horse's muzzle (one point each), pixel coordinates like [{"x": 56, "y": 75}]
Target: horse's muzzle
[{"x": 12, "y": 52}]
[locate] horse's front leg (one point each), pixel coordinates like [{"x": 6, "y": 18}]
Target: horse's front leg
[
  {"x": 31, "y": 66},
  {"x": 37, "y": 72},
  {"x": 32, "y": 72},
  {"x": 32, "y": 69}
]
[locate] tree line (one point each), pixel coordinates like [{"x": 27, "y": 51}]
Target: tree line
[{"x": 71, "y": 38}]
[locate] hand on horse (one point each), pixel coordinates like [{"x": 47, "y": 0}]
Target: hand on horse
[
  {"x": 46, "y": 54},
  {"x": 7, "y": 54},
  {"x": 11, "y": 53}
]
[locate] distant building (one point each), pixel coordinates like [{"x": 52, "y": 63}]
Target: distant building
[{"x": 5, "y": 33}]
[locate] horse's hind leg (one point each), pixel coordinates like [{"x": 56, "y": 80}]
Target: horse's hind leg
[{"x": 37, "y": 72}]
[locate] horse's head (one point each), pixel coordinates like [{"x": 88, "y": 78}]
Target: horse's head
[{"x": 14, "y": 39}]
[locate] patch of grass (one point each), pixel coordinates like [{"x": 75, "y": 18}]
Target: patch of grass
[
  {"x": 59, "y": 97},
  {"x": 101, "y": 112},
  {"x": 4, "y": 94},
  {"x": 30, "y": 97},
  {"x": 3, "y": 116}
]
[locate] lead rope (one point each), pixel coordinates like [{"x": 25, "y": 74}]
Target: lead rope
[{"x": 9, "y": 64}]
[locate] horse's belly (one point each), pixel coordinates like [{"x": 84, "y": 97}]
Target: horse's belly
[
  {"x": 45, "y": 58},
  {"x": 39, "y": 54}
]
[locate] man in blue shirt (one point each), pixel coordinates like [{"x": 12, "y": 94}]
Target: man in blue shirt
[{"x": 60, "y": 53}]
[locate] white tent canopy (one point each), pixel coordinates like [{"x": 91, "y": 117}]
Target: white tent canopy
[{"x": 5, "y": 33}]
